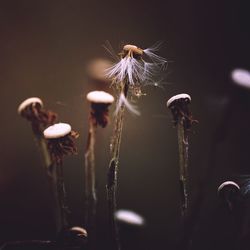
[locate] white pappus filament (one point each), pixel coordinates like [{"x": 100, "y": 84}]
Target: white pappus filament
[{"x": 136, "y": 68}]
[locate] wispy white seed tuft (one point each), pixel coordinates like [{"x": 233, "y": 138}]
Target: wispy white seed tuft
[
  {"x": 136, "y": 68},
  {"x": 123, "y": 100}
]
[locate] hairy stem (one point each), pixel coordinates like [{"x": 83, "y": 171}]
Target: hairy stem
[
  {"x": 183, "y": 161},
  {"x": 90, "y": 192}
]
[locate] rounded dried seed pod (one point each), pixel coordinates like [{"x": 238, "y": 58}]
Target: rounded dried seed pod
[
  {"x": 177, "y": 98},
  {"x": 57, "y": 130},
  {"x": 100, "y": 97},
  {"x": 28, "y": 102}
]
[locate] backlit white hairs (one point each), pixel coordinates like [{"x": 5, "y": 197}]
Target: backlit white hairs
[{"x": 135, "y": 69}]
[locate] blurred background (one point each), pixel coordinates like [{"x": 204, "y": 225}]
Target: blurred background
[{"x": 45, "y": 49}]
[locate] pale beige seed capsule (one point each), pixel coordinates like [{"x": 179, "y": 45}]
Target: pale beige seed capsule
[
  {"x": 57, "y": 130},
  {"x": 100, "y": 97},
  {"x": 133, "y": 48},
  {"x": 178, "y": 97},
  {"x": 28, "y": 102}
]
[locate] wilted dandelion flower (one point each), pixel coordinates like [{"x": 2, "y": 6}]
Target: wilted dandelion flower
[{"x": 136, "y": 68}]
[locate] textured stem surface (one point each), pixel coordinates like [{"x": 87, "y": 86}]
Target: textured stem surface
[
  {"x": 183, "y": 161},
  {"x": 112, "y": 178},
  {"x": 61, "y": 196},
  {"x": 51, "y": 170},
  {"x": 90, "y": 191}
]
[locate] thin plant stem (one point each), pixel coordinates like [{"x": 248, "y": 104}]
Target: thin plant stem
[
  {"x": 53, "y": 177},
  {"x": 183, "y": 161},
  {"x": 112, "y": 174},
  {"x": 61, "y": 196},
  {"x": 90, "y": 189}
]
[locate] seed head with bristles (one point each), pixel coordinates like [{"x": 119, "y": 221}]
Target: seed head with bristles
[{"x": 135, "y": 68}]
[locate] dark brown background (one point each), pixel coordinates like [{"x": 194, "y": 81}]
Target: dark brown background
[{"x": 44, "y": 48}]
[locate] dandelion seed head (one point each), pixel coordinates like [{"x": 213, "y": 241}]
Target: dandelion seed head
[
  {"x": 57, "y": 130},
  {"x": 134, "y": 71}
]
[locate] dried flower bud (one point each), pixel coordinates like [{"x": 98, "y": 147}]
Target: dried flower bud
[
  {"x": 100, "y": 102},
  {"x": 178, "y": 105},
  {"x": 32, "y": 109},
  {"x": 60, "y": 141}
]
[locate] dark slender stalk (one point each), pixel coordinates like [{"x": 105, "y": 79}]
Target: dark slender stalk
[
  {"x": 56, "y": 184},
  {"x": 90, "y": 189},
  {"x": 183, "y": 161},
  {"x": 112, "y": 175},
  {"x": 61, "y": 195}
]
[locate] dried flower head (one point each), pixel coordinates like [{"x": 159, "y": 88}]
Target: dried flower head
[
  {"x": 60, "y": 141},
  {"x": 100, "y": 102},
  {"x": 135, "y": 68},
  {"x": 32, "y": 109},
  {"x": 178, "y": 105}
]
